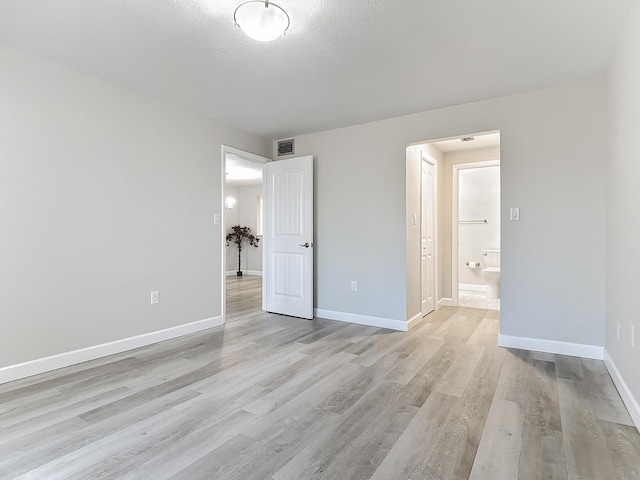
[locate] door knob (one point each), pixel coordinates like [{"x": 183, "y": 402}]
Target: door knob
[{"x": 306, "y": 245}]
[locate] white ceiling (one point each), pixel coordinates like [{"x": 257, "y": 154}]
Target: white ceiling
[
  {"x": 240, "y": 172},
  {"x": 479, "y": 141},
  {"x": 341, "y": 62}
]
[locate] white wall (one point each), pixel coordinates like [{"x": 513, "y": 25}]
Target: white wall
[
  {"x": 623, "y": 209},
  {"x": 479, "y": 198},
  {"x": 231, "y": 218},
  {"x": 249, "y": 217},
  {"x": 105, "y": 195},
  {"x": 244, "y": 213},
  {"x": 552, "y": 148}
]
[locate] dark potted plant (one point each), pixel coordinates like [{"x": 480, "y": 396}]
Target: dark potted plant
[{"x": 237, "y": 235}]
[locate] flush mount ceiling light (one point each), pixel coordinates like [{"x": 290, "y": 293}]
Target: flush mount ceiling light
[{"x": 261, "y": 20}]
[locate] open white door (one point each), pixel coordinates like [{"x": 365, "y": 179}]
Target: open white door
[
  {"x": 288, "y": 237},
  {"x": 428, "y": 238}
]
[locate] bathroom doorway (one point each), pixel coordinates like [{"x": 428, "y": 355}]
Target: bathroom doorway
[
  {"x": 457, "y": 283},
  {"x": 478, "y": 234},
  {"x": 474, "y": 163},
  {"x": 471, "y": 189}
]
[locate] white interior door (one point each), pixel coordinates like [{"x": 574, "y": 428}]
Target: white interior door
[
  {"x": 288, "y": 233},
  {"x": 427, "y": 228}
]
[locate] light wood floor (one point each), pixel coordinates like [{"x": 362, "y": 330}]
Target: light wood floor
[
  {"x": 244, "y": 296},
  {"x": 274, "y": 397}
]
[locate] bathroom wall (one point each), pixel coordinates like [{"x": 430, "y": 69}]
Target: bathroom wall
[
  {"x": 479, "y": 198},
  {"x": 244, "y": 213}
]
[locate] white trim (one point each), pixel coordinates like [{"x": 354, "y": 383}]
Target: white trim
[
  {"x": 253, "y": 157},
  {"x": 232, "y": 273},
  {"x": 472, "y": 288},
  {"x": 455, "y": 233},
  {"x": 426, "y": 157},
  {"x": 413, "y": 321},
  {"x": 627, "y": 397},
  {"x": 552, "y": 346},
  {"x": 445, "y": 302},
  {"x": 401, "y": 325},
  {"x": 46, "y": 364}
]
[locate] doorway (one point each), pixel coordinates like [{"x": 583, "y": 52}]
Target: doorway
[
  {"x": 474, "y": 162},
  {"x": 478, "y": 234},
  {"x": 450, "y": 156},
  {"x": 242, "y": 195}
]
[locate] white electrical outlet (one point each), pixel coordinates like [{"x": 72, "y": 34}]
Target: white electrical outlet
[
  {"x": 155, "y": 297},
  {"x": 618, "y": 330},
  {"x": 633, "y": 336},
  {"x": 354, "y": 286}
]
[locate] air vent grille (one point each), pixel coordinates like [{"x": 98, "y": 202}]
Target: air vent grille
[{"x": 286, "y": 147}]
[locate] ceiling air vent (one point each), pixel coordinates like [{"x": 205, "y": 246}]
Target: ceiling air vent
[{"x": 286, "y": 147}]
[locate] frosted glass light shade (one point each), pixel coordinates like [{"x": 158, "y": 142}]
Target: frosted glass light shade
[{"x": 260, "y": 20}]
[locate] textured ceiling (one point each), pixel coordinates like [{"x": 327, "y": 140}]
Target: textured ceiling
[{"x": 341, "y": 62}]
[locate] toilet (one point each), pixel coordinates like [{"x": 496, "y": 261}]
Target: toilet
[{"x": 491, "y": 272}]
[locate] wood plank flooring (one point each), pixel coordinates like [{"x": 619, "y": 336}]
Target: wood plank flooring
[
  {"x": 273, "y": 397},
  {"x": 244, "y": 296}
]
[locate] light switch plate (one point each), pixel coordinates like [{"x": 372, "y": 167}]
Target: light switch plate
[{"x": 515, "y": 213}]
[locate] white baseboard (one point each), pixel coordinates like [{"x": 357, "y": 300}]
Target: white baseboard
[
  {"x": 552, "y": 346},
  {"x": 445, "y": 302},
  {"x": 233, "y": 273},
  {"x": 472, "y": 288},
  {"x": 46, "y": 364},
  {"x": 390, "y": 323},
  {"x": 627, "y": 397},
  {"x": 413, "y": 321}
]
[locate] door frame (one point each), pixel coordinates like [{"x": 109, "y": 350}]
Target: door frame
[
  {"x": 426, "y": 157},
  {"x": 252, "y": 157},
  {"x": 455, "y": 219}
]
